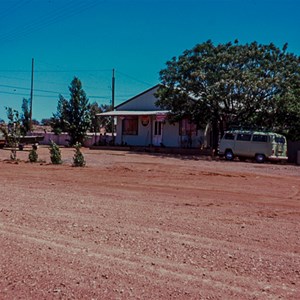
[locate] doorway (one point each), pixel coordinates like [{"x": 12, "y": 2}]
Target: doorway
[{"x": 157, "y": 133}]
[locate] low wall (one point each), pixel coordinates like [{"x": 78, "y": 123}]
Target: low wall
[
  {"x": 63, "y": 139},
  {"x": 60, "y": 139}
]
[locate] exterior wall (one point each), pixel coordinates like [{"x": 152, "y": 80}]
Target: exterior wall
[
  {"x": 170, "y": 136},
  {"x": 195, "y": 141},
  {"x": 142, "y": 139},
  {"x": 145, "y": 101},
  {"x": 118, "y": 138}
]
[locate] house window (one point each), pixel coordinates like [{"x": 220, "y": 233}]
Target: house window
[
  {"x": 130, "y": 125},
  {"x": 186, "y": 127}
]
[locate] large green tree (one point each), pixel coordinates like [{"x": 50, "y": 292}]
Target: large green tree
[
  {"x": 25, "y": 117},
  {"x": 249, "y": 85},
  {"x": 59, "y": 121},
  {"x": 73, "y": 116}
]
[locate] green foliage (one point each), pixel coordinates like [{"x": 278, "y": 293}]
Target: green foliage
[
  {"x": 13, "y": 132},
  {"x": 55, "y": 154},
  {"x": 99, "y": 122},
  {"x": 73, "y": 116},
  {"x": 59, "y": 121},
  {"x": 46, "y": 122},
  {"x": 35, "y": 122},
  {"x": 33, "y": 155},
  {"x": 229, "y": 84},
  {"x": 25, "y": 117},
  {"x": 78, "y": 159}
]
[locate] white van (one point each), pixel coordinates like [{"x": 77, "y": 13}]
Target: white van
[{"x": 253, "y": 144}]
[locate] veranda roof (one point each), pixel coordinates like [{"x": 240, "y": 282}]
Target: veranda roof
[{"x": 134, "y": 113}]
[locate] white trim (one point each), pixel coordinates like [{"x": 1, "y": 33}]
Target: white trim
[{"x": 134, "y": 113}]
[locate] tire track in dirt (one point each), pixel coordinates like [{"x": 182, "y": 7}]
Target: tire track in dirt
[
  {"x": 135, "y": 226},
  {"x": 155, "y": 267}
]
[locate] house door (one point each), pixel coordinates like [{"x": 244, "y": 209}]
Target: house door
[{"x": 157, "y": 133}]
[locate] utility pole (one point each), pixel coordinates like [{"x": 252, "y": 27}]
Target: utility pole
[
  {"x": 113, "y": 106},
  {"x": 31, "y": 94}
]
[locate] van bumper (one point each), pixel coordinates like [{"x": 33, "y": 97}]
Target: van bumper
[{"x": 277, "y": 158}]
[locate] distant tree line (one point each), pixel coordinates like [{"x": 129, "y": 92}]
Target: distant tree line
[{"x": 75, "y": 116}]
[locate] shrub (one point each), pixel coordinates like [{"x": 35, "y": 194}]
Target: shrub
[
  {"x": 55, "y": 154},
  {"x": 33, "y": 156},
  {"x": 78, "y": 159}
]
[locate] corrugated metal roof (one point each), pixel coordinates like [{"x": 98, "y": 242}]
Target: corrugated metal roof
[{"x": 134, "y": 113}]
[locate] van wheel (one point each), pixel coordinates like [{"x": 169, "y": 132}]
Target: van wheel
[
  {"x": 229, "y": 155},
  {"x": 260, "y": 158}
]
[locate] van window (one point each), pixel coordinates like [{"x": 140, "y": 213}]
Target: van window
[
  {"x": 229, "y": 136},
  {"x": 260, "y": 138},
  {"x": 243, "y": 137},
  {"x": 280, "y": 140}
]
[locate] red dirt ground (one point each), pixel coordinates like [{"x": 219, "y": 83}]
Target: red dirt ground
[{"x": 142, "y": 226}]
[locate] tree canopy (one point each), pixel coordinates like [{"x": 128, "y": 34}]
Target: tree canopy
[
  {"x": 99, "y": 122},
  {"x": 25, "y": 117},
  {"x": 73, "y": 116},
  {"x": 250, "y": 86},
  {"x": 13, "y": 132}
]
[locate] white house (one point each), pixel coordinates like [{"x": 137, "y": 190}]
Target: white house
[{"x": 139, "y": 122}]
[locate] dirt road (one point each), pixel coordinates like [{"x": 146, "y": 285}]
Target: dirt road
[{"x": 142, "y": 226}]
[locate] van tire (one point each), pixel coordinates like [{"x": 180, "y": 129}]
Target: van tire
[
  {"x": 229, "y": 155},
  {"x": 260, "y": 158}
]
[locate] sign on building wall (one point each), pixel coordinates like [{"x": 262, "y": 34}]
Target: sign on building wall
[{"x": 161, "y": 117}]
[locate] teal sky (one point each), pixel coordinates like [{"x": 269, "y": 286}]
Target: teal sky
[{"x": 89, "y": 38}]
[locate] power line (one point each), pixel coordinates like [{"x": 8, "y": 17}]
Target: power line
[
  {"x": 37, "y": 96},
  {"x": 27, "y": 89},
  {"x": 36, "y": 90},
  {"x": 47, "y": 81},
  {"x": 14, "y": 87},
  {"x": 135, "y": 79},
  {"x": 43, "y": 21},
  {"x": 56, "y": 71},
  {"x": 72, "y": 71},
  {"x": 54, "y": 93},
  {"x": 69, "y": 10},
  {"x": 12, "y": 9},
  {"x": 12, "y": 93}
]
